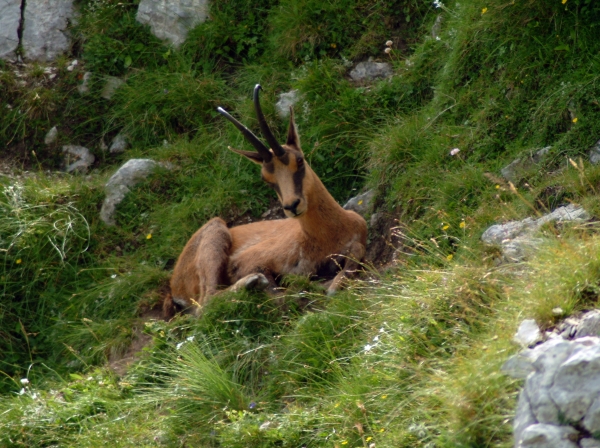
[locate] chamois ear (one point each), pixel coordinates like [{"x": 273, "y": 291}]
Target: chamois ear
[
  {"x": 250, "y": 155},
  {"x": 293, "y": 139}
]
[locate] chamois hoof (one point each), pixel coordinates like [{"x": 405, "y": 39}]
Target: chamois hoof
[{"x": 255, "y": 282}]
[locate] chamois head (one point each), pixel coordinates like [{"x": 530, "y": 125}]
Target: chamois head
[{"x": 283, "y": 166}]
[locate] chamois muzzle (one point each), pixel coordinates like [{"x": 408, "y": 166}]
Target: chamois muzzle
[{"x": 250, "y": 137}]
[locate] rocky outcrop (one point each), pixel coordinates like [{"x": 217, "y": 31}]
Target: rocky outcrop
[
  {"x": 171, "y": 20},
  {"x": 517, "y": 238},
  {"x": 514, "y": 170},
  {"x": 369, "y": 71},
  {"x": 361, "y": 204},
  {"x": 559, "y": 405},
  {"x": 117, "y": 187},
  {"x": 44, "y": 22},
  {"x": 10, "y": 17},
  {"x": 78, "y": 159},
  {"x": 45, "y": 28}
]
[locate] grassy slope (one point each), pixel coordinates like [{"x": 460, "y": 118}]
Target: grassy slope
[{"x": 408, "y": 358}]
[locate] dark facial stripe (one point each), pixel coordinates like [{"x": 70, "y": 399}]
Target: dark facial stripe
[
  {"x": 298, "y": 177},
  {"x": 270, "y": 167},
  {"x": 285, "y": 159}
]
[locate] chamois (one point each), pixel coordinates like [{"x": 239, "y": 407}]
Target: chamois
[{"x": 316, "y": 234}]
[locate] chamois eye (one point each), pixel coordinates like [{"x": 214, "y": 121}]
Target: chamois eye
[{"x": 299, "y": 162}]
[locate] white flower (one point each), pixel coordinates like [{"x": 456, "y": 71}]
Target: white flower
[
  {"x": 376, "y": 338},
  {"x": 24, "y": 381},
  {"x": 22, "y": 391},
  {"x": 454, "y": 151},
  {"x": 190, "y": 339},
  {"x": 389, "y": 43},
  {"x": 437, "y": 3},
  {"x": 388, "y": 50},
  {"x": 368, "y": 347},
  {"x": 113, "y": 276},
  {"x": 438, "y": 38},
  {"x": 179, "y": 345}
]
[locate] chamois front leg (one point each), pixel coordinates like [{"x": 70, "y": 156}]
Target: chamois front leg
[{"x": 353, "y": 258}]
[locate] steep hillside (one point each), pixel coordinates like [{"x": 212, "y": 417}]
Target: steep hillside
[{"x": 410, "y": 354}]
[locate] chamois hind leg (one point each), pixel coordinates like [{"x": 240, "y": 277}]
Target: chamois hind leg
[
  {"x": 202, "y": 266},
  {"x": 351, "y": 265}
]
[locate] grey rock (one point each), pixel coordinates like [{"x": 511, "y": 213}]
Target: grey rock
[
  {"x": 501, "y": 233},
  {"x": 528, "y": 333},
  {"x": 111, "y": 86},
  {"x": 361, "y": 204},
  {"x": 538, "y": 384},
  {"x": 567, "y": 213},
  {"x": 77, "y": 158},
  {"x": 117, "y": 187},
  {"x": 287, "y": 100},
  {"x": 591, "y": 421},
  {"x": 577, "y": 381},
  {"x": 369, "y": 70},
  {"x": 548, "y": 436},
  {"x": 84, "y": 87},
  {"x": 51, "y": 136},
  {"x": 589, "y": 325},
  {"x": 10, "y": 16},
  {"x": 516, "y": 238},
  {"x": 172, "y": 19},
  {"x": 119, "y": 144},
  {"x": 524, "y": 417},
  {"x": 514, "y": 170},
  {"x": 521, "y": 365},
  {"x": 595, "y": 153},
  {"x": 589, "y": 443},
  {"x": 45, "y": 28}
]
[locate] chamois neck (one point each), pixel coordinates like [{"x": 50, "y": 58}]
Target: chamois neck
[{"x": 323, "y": 211}]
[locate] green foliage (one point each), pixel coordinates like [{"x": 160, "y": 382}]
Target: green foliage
[
  {"x": 311, "y": 29},
  {"x": 236, "y": 33},
  {"x": 158, "y": 105},
  {"x": 113, "y": 42},
  {"x": 410, "y": 358}
]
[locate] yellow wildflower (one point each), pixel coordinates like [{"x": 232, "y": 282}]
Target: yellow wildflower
[
  {"x": 19, "y": 261},
  {"x": 483, "y": 11},
  {"x": 462, "y": 225},
  {"x": 345, "y": 442},
  {"x": 446, "y": 227},
  {"x": 383, "y": 397},
  {"x": 149, "y": 236},
  {"x": 360, "y": 202},
  {"x": 449, "y": 257},
  {"x": 575, "y": 120},
  {"x": 334, "y": 46},
  {"x": 564, "y": 1},
  {"x": 497, "y": 187},
  {"x": 368, "y": 439}
]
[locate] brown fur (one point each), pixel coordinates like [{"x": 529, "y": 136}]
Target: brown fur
[{"x": 316, "y": 230}]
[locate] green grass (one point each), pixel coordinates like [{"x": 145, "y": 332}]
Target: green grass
[{"x": 409, "y": 357}]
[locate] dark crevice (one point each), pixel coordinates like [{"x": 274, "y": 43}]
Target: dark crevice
[{"x": 20, "y": 30}]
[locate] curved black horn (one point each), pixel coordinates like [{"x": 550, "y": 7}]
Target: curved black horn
[
  {"x": 264, "y": 127},
  {"x": 252, "y": 139}
]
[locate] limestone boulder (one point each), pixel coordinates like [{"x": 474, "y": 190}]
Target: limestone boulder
[
  {"x": 120, "y": 183},
  {"x": 10, "y": 16},
  {"x": 45, "y": 34},
  {"x": 171, "y": 20}
]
